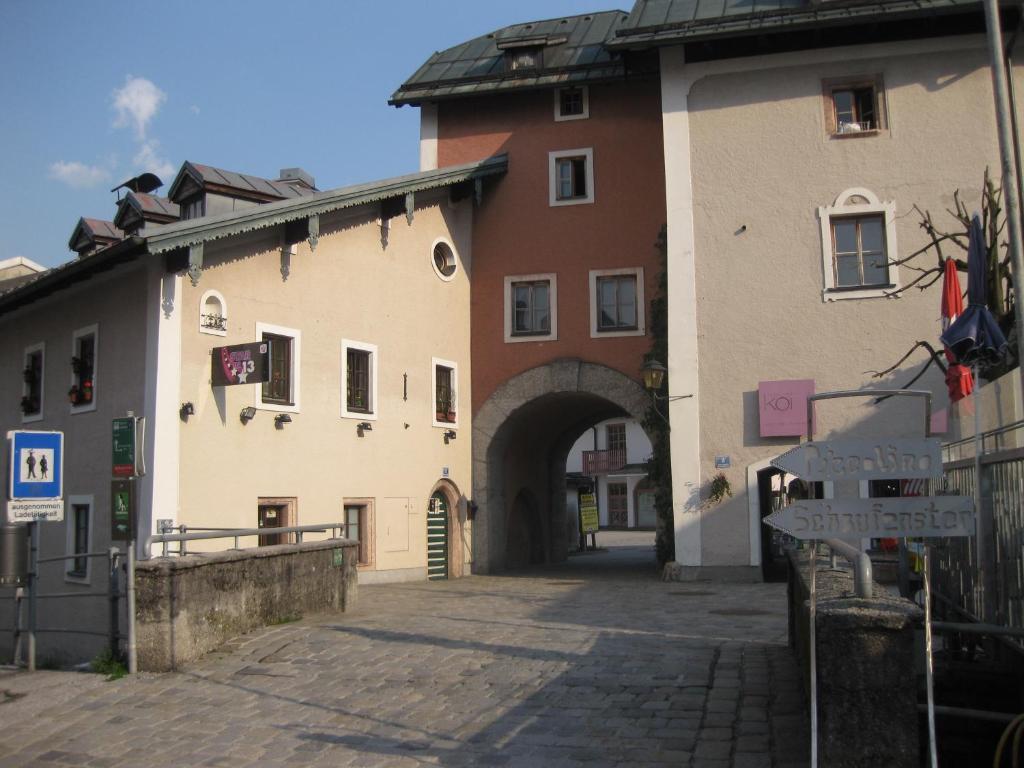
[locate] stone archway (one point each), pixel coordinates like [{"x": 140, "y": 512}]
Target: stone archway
[{"x": 521, "y": 437}]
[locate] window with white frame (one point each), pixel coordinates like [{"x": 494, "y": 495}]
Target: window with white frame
[
  {"x": 531, "y": 307},
  {"x": 281, "y": 391},
  {"x": 572, "y": 103},
  {"x": 213, "y": 314},
  {"x": 444, "y": 381},
  {"x": 32, "y": 383},
  {"x": 78, "y": 524},
  {"x": 571, "y": 176},
  {"x": 84, "y": 356},
  {"x": 617, "y": 302},
  {"x": 858, "y": 246},
  {"x": 359, "y": 372}
]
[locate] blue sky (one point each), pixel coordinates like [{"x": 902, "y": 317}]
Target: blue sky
[{"x": 97, "y": 92}]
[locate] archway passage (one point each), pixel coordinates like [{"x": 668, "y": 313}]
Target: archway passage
[{"x": 522, "y": 435}]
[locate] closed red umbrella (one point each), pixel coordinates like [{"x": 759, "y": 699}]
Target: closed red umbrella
[{"x": 959, "y": 381}]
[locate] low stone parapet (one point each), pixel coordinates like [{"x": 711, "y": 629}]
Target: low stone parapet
[
  {"x": 187, "y": 606},
  {"x": 867, "y": 682}
]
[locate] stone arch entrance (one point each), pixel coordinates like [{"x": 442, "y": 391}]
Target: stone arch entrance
[
  {"x": 521, "y": 437},
  {"x": 456, "y": 504}
]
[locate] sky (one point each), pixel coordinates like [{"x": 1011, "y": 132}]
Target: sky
[{"x": 95, "y": 92}]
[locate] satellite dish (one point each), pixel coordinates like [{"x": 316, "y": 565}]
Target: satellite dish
[{"x": 144, "y": 182}]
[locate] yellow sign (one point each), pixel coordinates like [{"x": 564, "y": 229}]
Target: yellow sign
[{"x": 588, "y": 513}]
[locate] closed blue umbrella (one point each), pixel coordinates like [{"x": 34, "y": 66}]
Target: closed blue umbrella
[{"x": 975, "y": 338}]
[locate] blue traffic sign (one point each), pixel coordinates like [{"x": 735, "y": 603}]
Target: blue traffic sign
[{"x": 37, "y": 465}]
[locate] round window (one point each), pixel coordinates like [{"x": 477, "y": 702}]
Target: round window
[{"x": 444, "y": 260}]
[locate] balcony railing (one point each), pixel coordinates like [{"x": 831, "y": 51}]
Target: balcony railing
[{"x": 603, "y": 462}]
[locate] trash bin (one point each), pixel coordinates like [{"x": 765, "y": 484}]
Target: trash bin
[{"x": 13, "y": 555}]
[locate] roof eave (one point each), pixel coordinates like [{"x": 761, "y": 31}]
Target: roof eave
[{"x": 127, "y": 250}]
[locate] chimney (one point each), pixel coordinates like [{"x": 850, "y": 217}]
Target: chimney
[{"x": 297, "y": 177}]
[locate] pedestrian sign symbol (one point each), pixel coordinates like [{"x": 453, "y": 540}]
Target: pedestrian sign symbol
[{"x": 37, "y": 465}]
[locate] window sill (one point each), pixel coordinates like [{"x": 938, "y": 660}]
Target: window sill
[
  {"x": 861, "y": 292},
  {"x": 521, "y": 337},
  {"x": 857, "y": 134},
  {"x": 610, "y": 333},
  {"x": 87, "y": 408},
  {"x": 361, "y": 415},
  {"x": 31, "y": 417},
  {"x": 277, "y": 407},
  {"x": 76, "y": 578},
  {"x": 585, "y": 200}
]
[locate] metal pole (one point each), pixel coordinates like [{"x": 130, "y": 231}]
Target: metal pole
[
  {"x": 112, "y": 599},
  {"x": 133, "y": 665},
  {"x": 929, "y": 675},
  {"x": 1009, "y": 179},
  {"x": 813, "y": 652},
  {"x": 19, "y": 598},
  {"x": 33, "y": 588}
]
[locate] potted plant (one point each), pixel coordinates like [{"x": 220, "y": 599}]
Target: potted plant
[
  {"x": 29, "y": 405},
  {"x": 74, "y": 395},
  {"x": 720, "y": 488},
  {"x": 87, "y": 391}
]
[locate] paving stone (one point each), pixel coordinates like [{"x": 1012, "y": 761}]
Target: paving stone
[{"x": 566, "y": 666}]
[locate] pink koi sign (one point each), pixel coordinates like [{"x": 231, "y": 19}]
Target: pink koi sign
[{"x": 783, "y": 407}]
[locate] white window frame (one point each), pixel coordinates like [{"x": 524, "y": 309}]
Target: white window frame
[
  {"x": 641, "y": 306},
  {"x": 296, "y": 336},
  {"x": 434, "y": 363},
  {"x": 346, "y": 345},
  {"x": 223, "y": 312},
  {"x": 29, "y": 350},
  {"x": 559, "y": 117},
  {"x": 94, "y": 331},
  {"x": 69, "y": 536},
  {"x": 552, "y": 280},
  {"x": 553, "y": 158},
  {"x": 845, "y": 206},
  {"x": 455, "y": 256}
]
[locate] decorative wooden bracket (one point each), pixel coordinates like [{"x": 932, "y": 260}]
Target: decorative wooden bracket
[
  {"x": 410, "y": 207},
  {"x": 314, "y": 231},
  {"x": 195, "y": 263}
]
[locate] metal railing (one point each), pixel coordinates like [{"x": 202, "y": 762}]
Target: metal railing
[
  {"x": 235, "y": 533},
  {"x": 983, "y": 580}
]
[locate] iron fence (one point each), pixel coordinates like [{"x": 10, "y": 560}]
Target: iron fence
[{"x": 983, "y": 577}]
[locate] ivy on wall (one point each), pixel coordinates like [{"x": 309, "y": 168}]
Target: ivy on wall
[{"x": 659, "y": 467}]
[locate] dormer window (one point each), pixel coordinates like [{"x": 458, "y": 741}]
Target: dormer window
[
  {"x": 194, "y": 208},
  {"x": 523, "y": 58}
]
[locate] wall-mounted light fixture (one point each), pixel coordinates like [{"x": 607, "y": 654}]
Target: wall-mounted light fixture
[
  {"x": 247, "y": 414},
  {"x": 281, "y": 419},
  {"x": 186, "y": 410},
  {"x": 450, "y": 434},
  {"x": 654, "y": 378},
  {"x": 363, "y": 426}
]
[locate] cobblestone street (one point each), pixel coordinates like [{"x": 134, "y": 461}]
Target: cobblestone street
[{"x": 595, "y": 662}]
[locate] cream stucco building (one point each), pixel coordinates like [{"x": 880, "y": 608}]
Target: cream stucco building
[{"x": 362, "y": 294}]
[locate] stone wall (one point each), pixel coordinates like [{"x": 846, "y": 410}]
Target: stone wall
[
  {"x": 867, "y": 681},
  {"x": 187, "y": 606}
]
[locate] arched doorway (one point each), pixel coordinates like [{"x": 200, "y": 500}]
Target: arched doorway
[{"x": 522, "y": 435}]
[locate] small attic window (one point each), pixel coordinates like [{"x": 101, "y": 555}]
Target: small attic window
[
  {"x": 194, "y": 207},
  {"x": 213, "y": 314},
  {"x": 523, "y": 58}
]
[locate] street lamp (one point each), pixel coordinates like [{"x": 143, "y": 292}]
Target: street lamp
[{"x": 654, "y": 378}]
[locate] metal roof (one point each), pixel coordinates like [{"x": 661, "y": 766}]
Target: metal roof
[
  {"x": 657, "y": 22},
  {"x": 182, "y": 234},
  {"x": 574, "y": 51},
  {"x": 193, "y": 231},
  {"x": 243, "y": 182}
]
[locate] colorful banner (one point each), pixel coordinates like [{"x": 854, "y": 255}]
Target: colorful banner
[{"x": 240, "y": 364}]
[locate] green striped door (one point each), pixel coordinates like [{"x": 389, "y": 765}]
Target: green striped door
[{"x": 437, "y": 537}]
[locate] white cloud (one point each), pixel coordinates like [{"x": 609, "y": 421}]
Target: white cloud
[
  {"x": 148, "y": 159},
  {"x": 78, "y": 175},
  {"x": 137, "y": 103}
]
